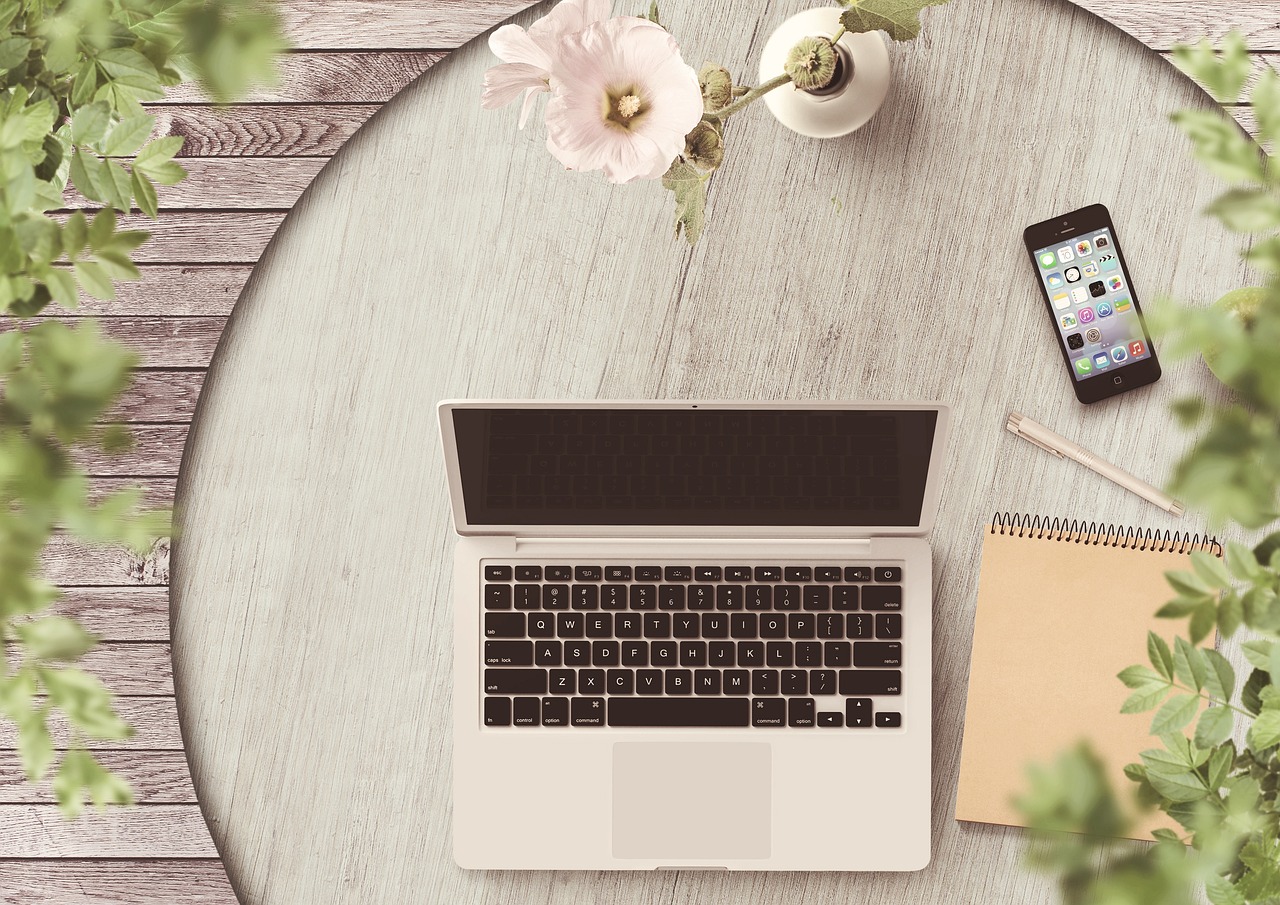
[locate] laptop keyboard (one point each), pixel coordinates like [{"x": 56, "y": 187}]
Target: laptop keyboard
[{"x": 692, "y": 645}]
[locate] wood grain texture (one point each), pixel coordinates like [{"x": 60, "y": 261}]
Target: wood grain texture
[
  {"x": 168, "y": 290},
  {"x": 68, "y": 563},
  {"x": 262, "y": 130},
  {"x": 40, "y": 831},
  {"x": 391, "y": 24},
  {"x": 362, "y": 77},
  {"x": 157, "y": 395},
  {"x": 208, "y": 237},
  {"x": 1160, "y": 24},
  {"x": 157, "y": 492},
  {"x": 154, "y": 721},
  {"x": 116, "y": 882},
  {"x": 164, "y": 342},
  {"x": 156, "y": 452},
  {"x": 215, "y": 183},
  {"x": 880, "y": 300},
  {"x": 156, "y": 777},
  {"x": 132, "y": 668},
  {"x": 119, "y": 613}
]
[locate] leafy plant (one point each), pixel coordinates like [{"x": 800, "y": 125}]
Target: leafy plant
[
  {"x": 1217, "y": 771},
  {"x": 73, "y": 77}
]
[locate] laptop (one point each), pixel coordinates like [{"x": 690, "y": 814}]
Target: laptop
[{"x": 692, "y": 634}]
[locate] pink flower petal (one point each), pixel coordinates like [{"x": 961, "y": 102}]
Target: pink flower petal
[
  {"x": 512, "y": 44},
  {"x": 503, "y": 84}
]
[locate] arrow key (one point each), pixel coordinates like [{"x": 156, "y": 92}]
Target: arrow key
[{"x": 857, "y": 713}]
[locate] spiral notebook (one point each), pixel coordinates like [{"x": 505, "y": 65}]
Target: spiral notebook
[{"x": 1062, "y": 607}]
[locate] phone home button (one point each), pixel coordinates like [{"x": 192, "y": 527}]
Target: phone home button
[{"x": 1118, "y": 380}]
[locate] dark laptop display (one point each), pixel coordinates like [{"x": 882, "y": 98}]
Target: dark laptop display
[{"x": 693, "y": 466}]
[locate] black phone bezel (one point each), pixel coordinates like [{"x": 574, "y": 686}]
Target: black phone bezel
[{"x": 1086, "y": 219}]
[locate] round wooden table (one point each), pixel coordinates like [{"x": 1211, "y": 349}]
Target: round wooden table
[{"x": 443, "y": 253}]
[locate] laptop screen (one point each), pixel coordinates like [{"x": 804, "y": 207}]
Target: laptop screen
[{"x": 694, "y": 466}]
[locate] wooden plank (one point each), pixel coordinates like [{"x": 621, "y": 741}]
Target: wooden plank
[
  {"x": 157, "y": 493},
  {"x": 363, "y": 77},
  {"x": 164, "y": 342},
  {"x": 208, "y": 237},
  {"x": 119, "y": 882},
  {"x": 1160, "y": 24},
  {"x": 169, "y": 396},
  {"x": 119, "y": 613},
  {"x": 132, "y": 668},
  {"x": 166, "y": 290},
  {"x": 248, "y": 130},
  {"x": 251, "y": 183},
  {"x": 391, "y": 24},
  {"x": 156, "y": 452},
  {"x": 157, "y": 777},
  {"x": 68, "y": 563},
  {"x": 159, "y": 831},
  {"x": 154, "y": 722}
]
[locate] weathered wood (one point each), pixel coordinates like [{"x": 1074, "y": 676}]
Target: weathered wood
[
  {"x": 391, "y": 24},
  {"x": 165, "y": 342},
  {"x": 252, "y": 183},
  {"x": 118, "y": 882},
  {"x": 262, "y": 131},
  {"x": 208, "y": 237},
  {"x": 160, "y": 395},
  {"x": 157, "y": 492},
  {"x": 154, "y": 721},
  {"x": 67, "y": 563},
  {"x": 118, "y": 614},
  {"x": 1160, "y": 24},
  {"x": 156, "y": 452},
  {"x": 159, "y": 831},
  {"x": 165, "y": 290},
  {"x": 132, "y": 668},
  {"x": 362, "y": 77},
  {"x": 157, "y": 777}
]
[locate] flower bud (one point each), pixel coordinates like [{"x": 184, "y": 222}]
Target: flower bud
[
  {"x": 812, "y": 63},
  {"x": 716, "y": 85},
  {"x": 703, "y": 147}
]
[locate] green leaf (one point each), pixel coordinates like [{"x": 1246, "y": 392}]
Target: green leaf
[
  {"x": 1220, "y": 678},
  {"x": 144, "y": 192},
  {"x": 1188, "y": 584},
  {"x": 11, "y": 345},
  {"x": 1159, "y": 654},
  {"x": 1176, "y": 713},
  {"x": 35, "y": 746},
  {"x": 1251, "y": 694},
  {"x": 87, "y": 175},
  {"x": 1242, "y": 563},
  {"x": 1221, "y": 891},
  {"x": 1220, "y": 763},
  {"x": 116, "y": 186},
  {"x": 1211, "y": 569},
  {"x": 900, "y": 18},
  {"x": 159, "y": 151},
  {"x": 13, "y": 52},
  {"x": 1140, "y": 676},
  {"x": 1230, "y": 614},
  {"x": 1145, "y": 698},
  {"x": 1267, "y": 548},
  {"x": 85, "y": 701},
  {"x": 1258, "y": 653},
  {"x": 1247, "y": 211},
  {"x": 1225, "y": 74},
  {"x": 689, "y": 185},
  {"x": 1202, "y": 621},
  {"x": 75, "y": 234},
  {"x": 1213, "y": 728},
  {"x": 102, "y": 229},
  {"x": 128, "y": 135},
  {"x": 55, "y": 638},
  {"x": 81, "y": 774},
  {"x": 1187, "y": 664},
  {"x": 1273, "y": 665},
  {"x": 131, "y": 69},
  {"x": 89, "y": 124},
  {"x": 1265, "y": 731},
  {"x": 1222, "y": 146},
  {"x": 1178, "y": 786},
  {"x": 62, "y": 286},
  {"x": 94, "y": 280}
]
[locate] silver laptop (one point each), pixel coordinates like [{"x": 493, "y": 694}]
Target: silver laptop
[{"x": 692, "y": 635}]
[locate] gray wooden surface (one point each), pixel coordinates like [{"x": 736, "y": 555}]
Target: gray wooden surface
[{"x": 445, "y": 254}]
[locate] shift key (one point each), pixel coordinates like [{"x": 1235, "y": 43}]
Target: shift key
[
  {"x": 863, "y": 682},
  {"x": 515, "y": 681}
]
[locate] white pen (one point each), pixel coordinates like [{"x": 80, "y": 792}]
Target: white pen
[{"x": 1063, "y": 448}]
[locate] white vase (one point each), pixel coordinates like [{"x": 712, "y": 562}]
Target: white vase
[{"x": 843, "y": 108}]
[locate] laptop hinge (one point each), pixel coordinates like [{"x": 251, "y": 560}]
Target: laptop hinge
[{"x": 797, "y": 544}]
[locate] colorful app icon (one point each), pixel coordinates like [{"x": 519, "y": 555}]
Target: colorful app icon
[
  {"x": 1097, "y": 290},
  {"x": 1137, "y": 349},
  {"x": 1101, "y": 241},
  {"x": 1093, "y": 334},
  {"x": 1083, "y": 248},
  {"x": 1061, "y": 300},
  {"x": 1085, "y": 315},
  {"x": 1048, "y": 259},
  {"x": 1123, "y": 303},
  {"x": 1104, "y": 309},
  {"x": 1109, "y": 263},
  {"x": 1080, "y": 295},
  {"x": 1101, "y": 360},
  {"x": 1075, "y": 341},
  {"x": 1084, "y": 366},
  {"x": 1068, "y": 322},
  {"x": 1066, "y": 255},
  {"x": 1118, "y": 354},
  {"x": 1091, "y": 269},
  {"x": 1115, "y": 284},
  {"x": 1073, "y": 274},
  {"x": 1054, "y": 280}
]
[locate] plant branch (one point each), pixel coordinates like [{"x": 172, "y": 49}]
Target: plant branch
[
  {"x": 1212, "y": 700},
  {"x": 747, "y": 99}
]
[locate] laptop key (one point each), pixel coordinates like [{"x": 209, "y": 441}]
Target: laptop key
[
  {"x": 620, "y": 681},
  {"x": 497, "y": 711},
  {"x": 768, "y": 573},
  {"x": 648, "y": 681},
  {"x": 657, "y": 625},
  {"x": 678, "y": 681},
  {"x": 497, "y": 597},
  {"x": 627, "y": 625},
  {"x": 504, "y": 625},
  {"x": 613, "y": 597},
  {"x": 702, "y": 597},
  {"x": 773, "y": 626},
  {"x": 585, "y": 597},
  {"x": 737, "y": 573},
  {"x": 706, "y": 573},
  {"x": 743, "y": 625},
  {"x": 759, "y": 597},
  {"x": 844, "y": 597},
  {"x": 508, "y": 653},
  {"x": 528, "y": 573},
  {"x": 834, "y": 718},
  {"x": 663, "y": 653},
  {"x": 794, "y": 682},
  {"x": 686, "y": 625},
  {"x": 887, "y": 597},
  {"x": 750, "y": 653},
  {"x": 588, "y": 711},
  {"x": 861, "y": 682},
  {"x": 671, "y": 597},
  {"x": 588, "y": 573},
  {"x": 599, "y": 625},
  {"x": 836, "y": 654},
  {"x": 817, "y": 597},
  {"x": 808, "y": 653},
  {"x": 888, "y": 625},
  {"x": 828, "y": 573},
  {"x": 635, "y": 653},
  {"x": 497, "y": 573},
  {"x": 877, "y": 653},
  {"x": 768, "y": 712},
  {"x": 677, "y": 573},
  {"x": 715, "y": 625},
  {"x": 887, "y": 719},
  {"x": 547, "y": 653},
  {"x": 822, "y": 681},
  {"x": 888, "y": 573},
  {"x": 693, "y": 653},
  {"x": 800, "y": 625},
  {"x": 857, "y": 573},
  {"x": 526, "y": 712},
  {"x": 555, "y": 711},
  {"x": 729, "y": 597},
  {"x": 644, "y": 597},
  {"x": 707, "y": 711},
  {"x": 541, "y": 625},
  {"x": 858, "y": 626},
  {"x": 720, "y": 653},
  {"x": 555, "y": 597},
  {"x": 830, "y": 625},
  {"x": 559, "y": 573},
  {"x": 648, "y": 573},
  {"x": 569, "y": 625},
  {"x": 737, "y": 681},
  {"x": 786, "y": 597},
  {"x": 528, "y": 597},
  {"x": 591, "y": 681},
  {"x": 764, "y": 682},
  {"x": 563, "y": 681},
  {"x": 857, "y": 713},
  {"x": 800, "y": 712},
  {"x": 617, "y": 573},
  {"x": 515, "y": 681},
  {"x": 605, "y": 653},
  {"x": 706, "y": 681},
  {"x": 779, "y": 653}
]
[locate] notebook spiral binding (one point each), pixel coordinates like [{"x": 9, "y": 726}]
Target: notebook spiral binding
[{"x": 1102, "y": 534}]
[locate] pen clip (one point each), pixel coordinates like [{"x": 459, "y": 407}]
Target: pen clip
[{"x": 1013, "y": 426}]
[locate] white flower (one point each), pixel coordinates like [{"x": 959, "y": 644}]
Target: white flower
[
  {"x": 529, "y": 56},
  {"x": 623, "y": 100}
]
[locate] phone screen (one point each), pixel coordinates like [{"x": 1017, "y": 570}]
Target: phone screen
[{"x": 1097, "y": 320}]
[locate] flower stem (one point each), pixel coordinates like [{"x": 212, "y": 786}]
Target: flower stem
[
  {"x": 749, "y": 98},
  {"x": 840, "y": 32}
]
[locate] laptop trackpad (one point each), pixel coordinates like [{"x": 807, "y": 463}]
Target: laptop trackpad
[{"x": 698, "y": 800}]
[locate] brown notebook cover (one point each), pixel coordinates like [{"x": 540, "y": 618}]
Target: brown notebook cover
[{"x": 1062, "y": 608}]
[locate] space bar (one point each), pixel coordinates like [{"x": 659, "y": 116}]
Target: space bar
[{"x": 679, "y": 712}]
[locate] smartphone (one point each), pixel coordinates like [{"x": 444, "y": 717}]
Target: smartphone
[{"x": 1095, "y": 312}]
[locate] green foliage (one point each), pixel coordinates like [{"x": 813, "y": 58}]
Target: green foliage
[
  {"x": 899, "y": 18},
  {"x": 1217, "y": 772},
  {"x": 74, "y": 75}
]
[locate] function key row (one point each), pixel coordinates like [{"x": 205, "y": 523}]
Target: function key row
[
  {"x": 831, "y": 574},
  {"x": 693, "y": 597}
]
